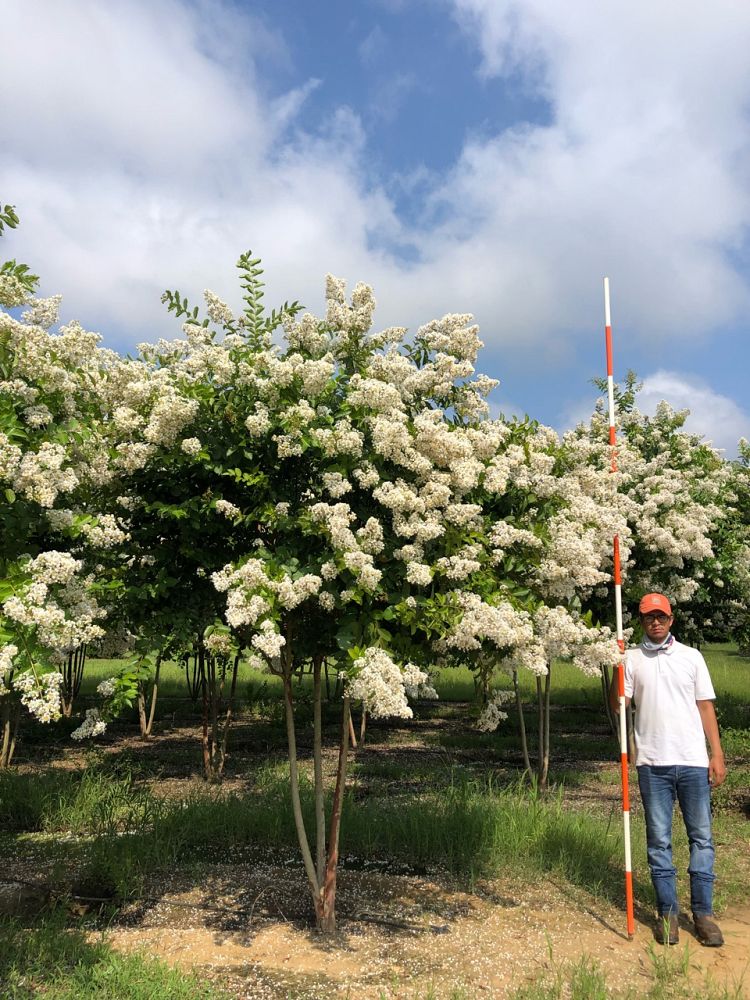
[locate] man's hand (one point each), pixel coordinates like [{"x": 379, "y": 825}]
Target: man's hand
[{"x": 717, "y": 770}]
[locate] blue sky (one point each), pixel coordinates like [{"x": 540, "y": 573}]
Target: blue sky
[{"x": 488, "y": 156}]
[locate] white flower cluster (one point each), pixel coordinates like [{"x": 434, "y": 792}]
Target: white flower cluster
[
  {"x": 492, "y": 714},
  {"x": 191, "y": 446},
  {"x": 105, "y": 532},
  {"x": 43, "y": 312},
  {"x": 501, "y": 625},
  {"x": 356, "y": 550},
  {"x": 381, "y": 686},
  {"x": 227, "y": 509},
  {"x": 354, "y": 319},
  {"x": 253, "y": 595},
  {"x": 39, "y": 475},
  {"x": 170, "y": 415},
  {"x": 12, "y": 292},
  {"x": 56, "y": 603},
  {"x": 219, "y": 644},
  {"x": 417, "y": 684},
  {"x": 7, "y": 654},
  {"x": 335, "y": 484},
  {"x": 107, "y": 688},
  {"x": 562, "y": 635},
  {"x": 93, "y": 725},
  {"x": 39, "y": 694},
  {"x": 218, "y": 311}
]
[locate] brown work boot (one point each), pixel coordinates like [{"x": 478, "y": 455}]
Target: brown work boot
[
  {"x": 708, "y": 931},
  {"x": 667, "y": 929}
]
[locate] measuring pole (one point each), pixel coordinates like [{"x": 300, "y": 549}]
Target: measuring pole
[{"x": 620, "y": 640}]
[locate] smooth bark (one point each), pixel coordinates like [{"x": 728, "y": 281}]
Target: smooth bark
[
  {"x": 10, "y": 720},
  {"x": 72, "y": 673},
  {"x": 543, "y": 710},
  {"x": 215, "y": 733},
  {"x": 522, "y": 725},
  {"x": 326, "y": 910},
  {"x": 545, "y": 758},
  {"x": 146, "y": 720},
  {"x": 299, "y": 821},
  {"x": 320, "y": 814},
  {"x": 322, "y": 869}
]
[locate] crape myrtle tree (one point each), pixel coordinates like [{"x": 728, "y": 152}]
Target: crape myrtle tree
[
  {"x": 677, "y": 496},
  {"x": 675, "y": 491},
  {"x": 342, "y": 460},
  {"x": 548, "y": 522},
  {"x": 52, "y": 459}
]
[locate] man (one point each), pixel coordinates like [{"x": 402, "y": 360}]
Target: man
[{"x": 674, "y": 716}]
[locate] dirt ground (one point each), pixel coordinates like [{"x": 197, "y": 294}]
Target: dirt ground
[{"x": 248, "y": 928}]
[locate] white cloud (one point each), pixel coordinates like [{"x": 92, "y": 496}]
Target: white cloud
[
  {"x": 139, "y": 157},
  {"x": 641, "y": 174},
  {"x": 143, "y": 149}
]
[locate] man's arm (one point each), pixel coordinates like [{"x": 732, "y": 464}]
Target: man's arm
[{"x": 717, "y": 770}]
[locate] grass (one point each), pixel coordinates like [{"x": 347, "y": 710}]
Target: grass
[
  {"x": 672, "y": 978},
  {"x": 93, "y": 802},
  {"x": 469, "y": 829},
  {"x": 59, "y": 963}
]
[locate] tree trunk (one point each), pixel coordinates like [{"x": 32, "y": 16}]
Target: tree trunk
[
  {"x": 72, "y": 674},
  {"x": 485, "y": 680},
  {"x": 299, "y": 821},
  {"x": 229, "y": 714},
  {"x": 540, "y": 728},
  {"x": 142, "y": 720},
  {"x": 215, "y": 733},
  {"x": 363, "y": 725},
  {"x": 320, "y": 806},
  {"x": 205, "y": 715},
  {"x": 545, "y": 760},
  {"x": 325, "y": 910},
  {"x": 543, "y": 699},
  {"x": 522, "y": 726},
  {"x": 194, "y": 675},
  {"x": 352, "y": 734},
  {"x": 10, "y": 719},
  {"x": 154, "y": 695}
]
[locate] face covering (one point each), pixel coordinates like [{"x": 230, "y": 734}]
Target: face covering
[{"x": 654, "y": 647}]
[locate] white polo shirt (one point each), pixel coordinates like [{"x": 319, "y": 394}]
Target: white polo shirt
[{"x": 665, "y": 686}]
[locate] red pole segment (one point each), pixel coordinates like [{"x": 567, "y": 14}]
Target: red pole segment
[{"x": 624, "y": 772}]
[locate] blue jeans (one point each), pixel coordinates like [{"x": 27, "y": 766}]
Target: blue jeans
[{"x": 660, "y": 786}]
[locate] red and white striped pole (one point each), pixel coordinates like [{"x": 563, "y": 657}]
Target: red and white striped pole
[{"x": 620, "y": 639}]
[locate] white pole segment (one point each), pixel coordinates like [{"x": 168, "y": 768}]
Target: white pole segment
[{"x": 607, "y": 317}]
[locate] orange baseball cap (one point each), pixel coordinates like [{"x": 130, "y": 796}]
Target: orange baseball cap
[{"x": 654, "y": 602}]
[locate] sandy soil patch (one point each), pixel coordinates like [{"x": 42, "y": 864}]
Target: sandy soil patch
[{"x": 248, "y": 927}]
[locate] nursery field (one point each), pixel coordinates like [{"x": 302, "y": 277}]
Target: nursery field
[{"x": 127, "y": 876}]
